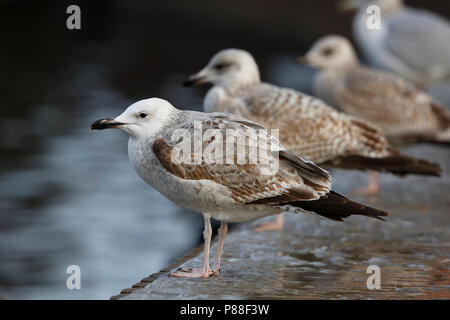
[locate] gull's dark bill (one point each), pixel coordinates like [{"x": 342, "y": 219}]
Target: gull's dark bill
[
  {"x": 105, "y": 124},
  {"x": 192, "y": 81}
]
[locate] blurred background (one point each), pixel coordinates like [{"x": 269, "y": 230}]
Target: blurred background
[{"x": 68, "y": 195}]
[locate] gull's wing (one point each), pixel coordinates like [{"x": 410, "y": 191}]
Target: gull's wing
[
  {"x": 317, "y": 132},
  {"x": 420, "y": 39},
  {"x": 310, "y": 128},
  {"x": 297, "y": 186},
  {"x": 295, "y": 179},
  {"x": 395, "y": 105}
]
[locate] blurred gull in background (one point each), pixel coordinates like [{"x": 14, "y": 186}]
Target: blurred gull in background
[
  {"x": 228, "y": 192},
  {"x": 404, "y": 112},
  {"x": 308, "y": 127},
  {"x": 413, "y": 43}
]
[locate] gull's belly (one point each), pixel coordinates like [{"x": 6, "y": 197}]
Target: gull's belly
[
  {"x": 204, "y": 196},
  {"x": 244, "y": 214}
]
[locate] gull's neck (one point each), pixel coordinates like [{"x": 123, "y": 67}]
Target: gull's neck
[
  {"x": 248, "y": 76},
  {"x": 233, "y": 86},
  {"x": 349, "y": 64}
]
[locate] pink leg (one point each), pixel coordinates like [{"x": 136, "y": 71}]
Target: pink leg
[
  {"x": 222, "y": 234},
  {"x": 277, "y": 224},
  {"x": 205, "y": 271},
  {"x": 373, "y": 188}
]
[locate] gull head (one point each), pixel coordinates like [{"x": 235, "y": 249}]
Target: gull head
[
  {"x": 227, "y": 68},
  {"x": 143, "y": 119},
  {"x": 344, "y": 6},
  {"x": 330, "y": 52}
]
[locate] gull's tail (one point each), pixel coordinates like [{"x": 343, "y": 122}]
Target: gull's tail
[
  {"x": 397, "y": 163},
  {"x": 335, "y": 207}
]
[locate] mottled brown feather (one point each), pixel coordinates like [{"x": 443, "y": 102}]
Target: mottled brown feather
[
  {"x": 403, "y": 111},
  {"x": 295, "y": 186},
  {"x": 311, "y": 129},
  {"x": 247, "y": 182}
]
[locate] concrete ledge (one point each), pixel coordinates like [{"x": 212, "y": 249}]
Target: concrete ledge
[
  {"x": 146, "y": 281},
  {"x": 315, "y": 258},
  {"x": 297, "y": 264}
]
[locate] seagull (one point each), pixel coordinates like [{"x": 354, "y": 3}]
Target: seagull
[
  {"x": 404, "y": 112},
  {"x": 414, "y": 43},
  {"x": 229, "y": 192},
  {"x": 307, "y": 126}
]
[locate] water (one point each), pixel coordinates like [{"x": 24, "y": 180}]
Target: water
[
  {"x": 76, "y": 200},
  {"x": 68, "y": 196}
]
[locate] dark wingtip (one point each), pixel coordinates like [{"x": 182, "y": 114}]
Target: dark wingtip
[
  {"x": 381, "y": 214},
  {"x": 397, "y": 164},
  {"x": 337, "y": 207}
]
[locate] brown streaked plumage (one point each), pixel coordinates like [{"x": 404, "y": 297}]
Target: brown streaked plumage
[
  {"x": 297, "y": 186},
  {"x": 226, "y": 191},
  {"x": 307, "y": 126},
  {"x": 295, "y": 179},
  {"x": 404, "y": 112}
]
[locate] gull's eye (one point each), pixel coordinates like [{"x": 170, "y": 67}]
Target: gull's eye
[
  {"x": 327, "y": 51},
  {"x": 219, "y": 66},
  {"x": 142, "y": 115}
]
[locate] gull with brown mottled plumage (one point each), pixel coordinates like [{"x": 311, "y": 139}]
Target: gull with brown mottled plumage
[
  {"x": 307, "y": 126},
  {"x": 229, "y": 192},
  {"x": 404, "y": 112}
]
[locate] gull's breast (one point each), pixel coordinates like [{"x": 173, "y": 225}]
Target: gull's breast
[{"x": 205, "y": 196}]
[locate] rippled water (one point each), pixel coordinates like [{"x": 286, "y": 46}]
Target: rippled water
[
  {"x": 76, "y": 200},
  {"x": 68, "y": 195}
]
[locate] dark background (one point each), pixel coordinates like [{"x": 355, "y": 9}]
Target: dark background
[{"x": 68, "y": 195}]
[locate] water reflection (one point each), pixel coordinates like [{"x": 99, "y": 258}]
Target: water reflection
[
  {"x": 319, "y": 259},
  {"x": 77, "y": 201},
  {"x": 68, "y": 195}
]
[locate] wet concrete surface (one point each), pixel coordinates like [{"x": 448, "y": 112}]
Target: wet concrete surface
[
  {"x": 315, "y": 258},
  {"x": 69, "y": 196}
]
